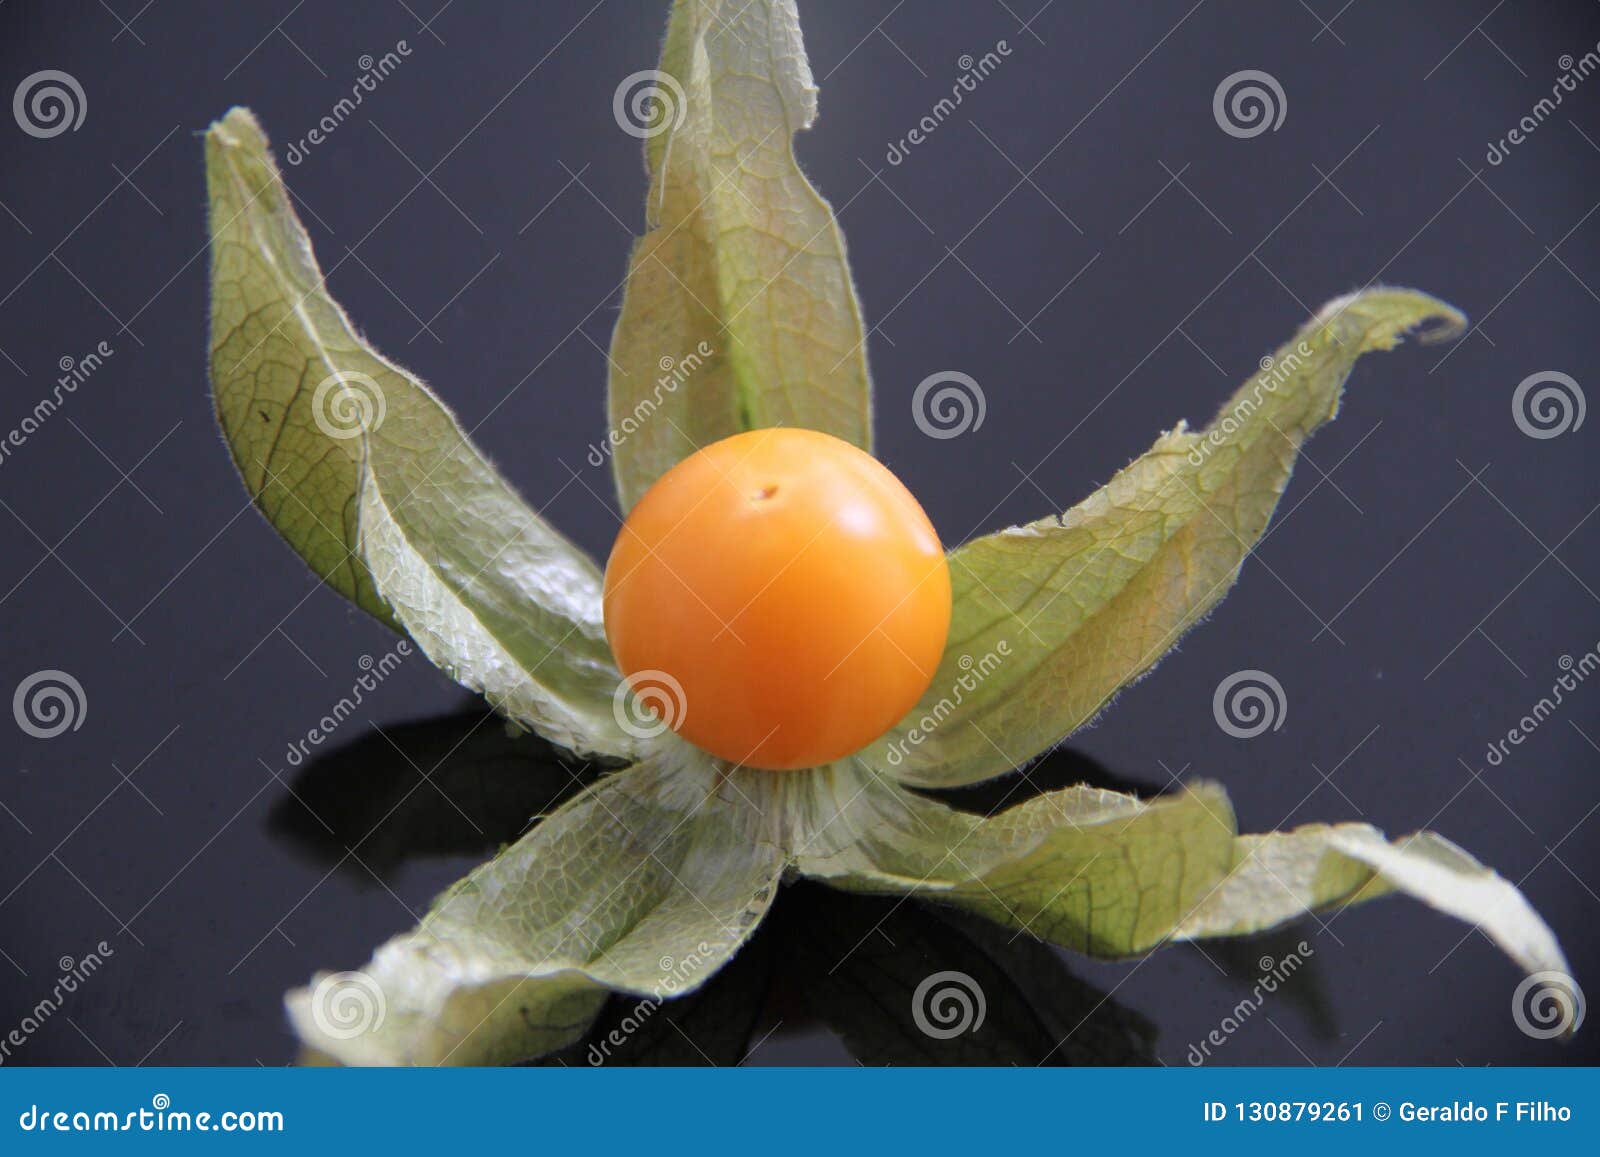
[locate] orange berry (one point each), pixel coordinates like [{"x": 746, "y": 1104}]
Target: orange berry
[{"x": 790, "y": 588}]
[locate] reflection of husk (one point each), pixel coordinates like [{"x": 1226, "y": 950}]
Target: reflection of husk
[{"x": 855, "y": 831}]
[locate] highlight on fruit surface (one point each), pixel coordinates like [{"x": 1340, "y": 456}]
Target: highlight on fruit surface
[{"x": 778, "y": 598}]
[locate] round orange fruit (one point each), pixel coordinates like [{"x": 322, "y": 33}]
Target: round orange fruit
[{"x": 788, "y": 592}]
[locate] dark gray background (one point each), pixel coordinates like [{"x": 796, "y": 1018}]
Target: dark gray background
[{"x": 1452, "y": 556}]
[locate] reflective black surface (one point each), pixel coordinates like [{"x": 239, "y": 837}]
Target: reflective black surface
[{"x": 1080, "y": 237}]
